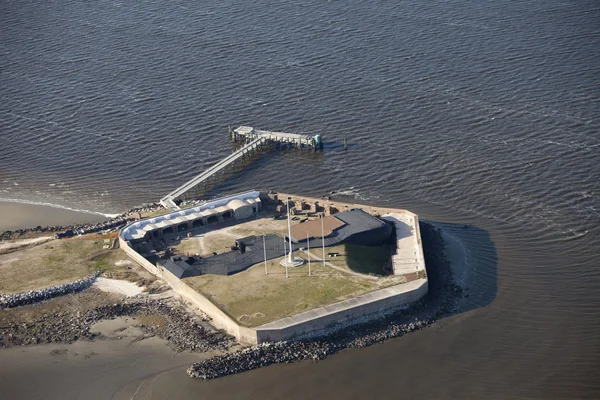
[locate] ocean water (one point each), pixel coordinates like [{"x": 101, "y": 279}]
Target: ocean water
[{"x": 485, "y": 114}]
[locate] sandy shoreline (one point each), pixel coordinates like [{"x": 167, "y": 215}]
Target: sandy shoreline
[
  {"x": 22, "y": 216},
  {"x": 111, "y": 367}
]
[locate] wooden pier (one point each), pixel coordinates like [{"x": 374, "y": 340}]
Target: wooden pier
[
  {"x": 295, "y": 139},
  {"x": 254, "y": 140}
]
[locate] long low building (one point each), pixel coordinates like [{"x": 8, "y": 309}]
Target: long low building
[{"x": 237, "y": 207}]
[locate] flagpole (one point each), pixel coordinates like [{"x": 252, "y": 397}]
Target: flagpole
[
  {"x": 308, "y": 244},
  {"x": 284, "y": 256},
  {"x": 290, "y": 230},
  {"x": 291, "y": 253},
  {"x": 290, "y": 259},
  {"x": 323, "y": 237},
  {"x": 265, "y": 250}
]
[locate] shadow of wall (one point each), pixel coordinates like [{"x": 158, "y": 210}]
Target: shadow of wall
[{"x": 462, "y": 258}]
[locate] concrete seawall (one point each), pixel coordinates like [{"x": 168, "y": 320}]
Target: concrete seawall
[
  {"x": 219, "y": 319},
  {"x": 310, "y": 323},
  {"x": 344, "y": 313}
]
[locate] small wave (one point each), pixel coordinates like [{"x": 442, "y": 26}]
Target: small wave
[
  {"x": 351, "y": 192},
  {"x": 572, "y": 235},
  {"x": 40, "y": 203}
]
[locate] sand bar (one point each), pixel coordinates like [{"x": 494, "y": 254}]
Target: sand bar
[{"x": 20, "y": 216}]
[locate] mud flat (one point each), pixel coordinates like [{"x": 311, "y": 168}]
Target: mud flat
[{"x": 112, "y": 366}]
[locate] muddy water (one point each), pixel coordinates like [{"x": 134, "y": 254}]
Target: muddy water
[{"x": 468, "y": 113}]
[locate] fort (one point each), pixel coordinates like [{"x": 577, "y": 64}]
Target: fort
[
  {"x": 224, "y": 256},
  {"x": 284, "y": 273}
]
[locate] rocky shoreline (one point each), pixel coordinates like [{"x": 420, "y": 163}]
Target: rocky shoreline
[
  {"x": 60, "y": 231},
  {"x": 34, "y": 296},
  {"x": 441, "y": 300},
  {"x": 185, "y": 333},
  {"x": 179, "y": 328}
]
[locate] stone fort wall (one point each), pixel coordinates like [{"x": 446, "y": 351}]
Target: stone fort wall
[{"x": 323, "y": 319}]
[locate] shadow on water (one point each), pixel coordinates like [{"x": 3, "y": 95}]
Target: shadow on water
[{"x": 463, "y": 257}]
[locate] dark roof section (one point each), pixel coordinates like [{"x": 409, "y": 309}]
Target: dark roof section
[
  {"x": 179, "y": 266},
  {"x": 359, "y": 227},
  {"x": 359, "y": 220}
]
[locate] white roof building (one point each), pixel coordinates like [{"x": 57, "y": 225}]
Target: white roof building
[{"x": 139, "y": 229}]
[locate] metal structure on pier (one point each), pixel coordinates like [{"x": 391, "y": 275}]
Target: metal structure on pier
[{"x": 254, "y": 140}]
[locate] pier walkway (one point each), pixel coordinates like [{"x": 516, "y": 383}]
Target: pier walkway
[
  {"x": 168, "y": 202},
  {"x": 255, "y": 139}
]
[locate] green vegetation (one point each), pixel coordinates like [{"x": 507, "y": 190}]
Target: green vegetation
[
  {"x": 59, "y": 261},
  {"x": 150, "y": 214}
]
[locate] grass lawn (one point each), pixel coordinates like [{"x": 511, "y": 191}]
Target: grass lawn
[
  {"x": 253, "y": 298},
  {"x": 187, "y": 247},
  {"x": 56, "y": 262},
  {"x": 156, "y": 213}
]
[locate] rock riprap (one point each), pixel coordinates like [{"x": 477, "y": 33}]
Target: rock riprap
[
  {"x": 182, "y": 330},
  {"x": 79, "y": 229},
  {"x": 33, "y": 296}
]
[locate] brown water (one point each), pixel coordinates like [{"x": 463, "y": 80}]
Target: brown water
[{"x": 465, "y": 112}]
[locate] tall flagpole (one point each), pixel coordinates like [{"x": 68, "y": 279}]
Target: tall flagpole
[
  {"x": 323, "y": 237},
  {"x": 291, "y": 253},
  {"x": 291, "y": 259},
  {"x": 265, "y": 250},
  {"x": 308, "y": 243},
  {"x": 284, "y": 256}
]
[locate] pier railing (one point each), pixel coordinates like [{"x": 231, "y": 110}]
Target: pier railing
[{"x": 255, "y": 140}]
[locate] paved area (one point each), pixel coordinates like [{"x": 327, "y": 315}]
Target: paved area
[
  {"x": 314, "y": 229},
  {"x": 408, "y": 258},
  {"x": 117, "y": 286}
]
